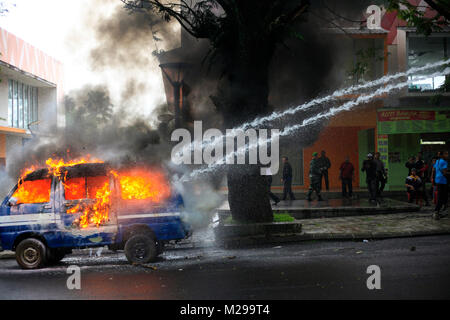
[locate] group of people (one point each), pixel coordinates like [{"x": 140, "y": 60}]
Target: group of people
[
  {"x": 318, "y": 169},
  {"x": 437, "y": 173},
  {"x": 419, "y": 172},
  {"x": 318, "y": 172}
]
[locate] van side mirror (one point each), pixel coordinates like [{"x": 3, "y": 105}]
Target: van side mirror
[{"x": 12, "y": 201}]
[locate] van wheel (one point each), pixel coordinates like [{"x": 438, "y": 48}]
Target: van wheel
[
  {"x": 140, "y": 249},
  {"x": 31, "y": 254},
  {"x": 55, "y": 255}
]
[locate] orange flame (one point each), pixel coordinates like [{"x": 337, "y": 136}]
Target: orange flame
[
  {"x": 144, "y": 185},
  {"x": 55, "y": 165},
  {"x": 97, "y": 213},
  {"x": 36, "y": 191}
]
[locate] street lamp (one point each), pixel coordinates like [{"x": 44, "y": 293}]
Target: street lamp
[{"x": 175, "y": 74}]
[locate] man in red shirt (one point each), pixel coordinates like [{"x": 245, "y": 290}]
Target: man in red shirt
[{"x": 346, "y": 176}]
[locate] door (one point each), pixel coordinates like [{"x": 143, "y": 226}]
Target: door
[
  {"x": 30, "y": 206},
  {"x": 87, "y": 211}
]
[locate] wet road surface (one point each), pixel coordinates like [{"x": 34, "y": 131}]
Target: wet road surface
[{"x": 410, "y": 268}]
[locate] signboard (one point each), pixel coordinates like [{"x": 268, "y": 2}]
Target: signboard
[
  {"x": 401, "y": 115},
  {"x": 413, "y": 121}
]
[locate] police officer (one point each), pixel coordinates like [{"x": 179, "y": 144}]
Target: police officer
[
  {"x": 325, "y": 164},
  {"x": 370, "y": 167},
  {"x": 315, "y": 177}
]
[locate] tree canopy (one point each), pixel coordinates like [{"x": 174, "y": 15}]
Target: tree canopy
[{"x": 415, "y": 15}]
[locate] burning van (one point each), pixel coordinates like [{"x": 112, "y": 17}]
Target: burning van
[{"x": 78, "y": 205}]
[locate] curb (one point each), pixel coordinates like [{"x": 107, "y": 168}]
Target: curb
[{"x": 277, "y": 239}]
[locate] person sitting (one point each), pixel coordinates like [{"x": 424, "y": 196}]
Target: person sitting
[{"x": 413, "y": 186}]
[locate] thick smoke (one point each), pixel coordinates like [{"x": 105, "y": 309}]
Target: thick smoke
[{"x": 127, "y": 39}]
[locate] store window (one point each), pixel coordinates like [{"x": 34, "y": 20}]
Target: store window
[
  {"x": 22, "y": 104},
  {"x": 425, "y": 50}
]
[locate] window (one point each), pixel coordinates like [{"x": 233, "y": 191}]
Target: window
[
  {"x": 83, "y": 187},
  {"x": 33, "y": 191},
  {"x": 422, "y": 51},
  {"x": 22, "y": 104}
]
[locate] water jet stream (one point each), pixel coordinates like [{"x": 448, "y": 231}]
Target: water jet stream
[
  {"x": 311, "y": 120},
  {"x": 335, "y": 95}
]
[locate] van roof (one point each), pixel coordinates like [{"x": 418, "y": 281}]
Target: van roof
[{"x": 79, "y": 170}]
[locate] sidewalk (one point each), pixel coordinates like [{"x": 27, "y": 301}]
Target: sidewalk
[
  {"x": 366, "y": 227},
  {"x": 375, "y": 226}
]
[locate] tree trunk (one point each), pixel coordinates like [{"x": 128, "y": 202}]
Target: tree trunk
[
  {"x": 243, "y": 95},
  {"x": 247, "y": 194}
]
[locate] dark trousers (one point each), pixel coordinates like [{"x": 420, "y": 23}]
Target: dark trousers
[
  {"x": 314, "y": 187},
  {"x": 372, "y": 187},
  {"x": 442, "y": 198},
  {"x": 287, "y": 190},
  {"x": 414, "y": 194},
  {"x": 347, "y": 184},
  {"x": 325, "y": 177},
  {"x": 381, "y": 183}
]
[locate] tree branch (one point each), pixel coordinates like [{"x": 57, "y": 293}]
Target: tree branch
[{"x": 438, "y": 8}]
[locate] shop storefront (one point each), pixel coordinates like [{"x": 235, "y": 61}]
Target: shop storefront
[{"x": 404, "y": 132}]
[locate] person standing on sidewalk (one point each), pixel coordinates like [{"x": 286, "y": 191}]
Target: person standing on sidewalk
[
  {"x": 325, "y": 164},
  {"x": 287, "y": 179},
  {"x": 381, "y": 174},
  {"x": 370, "y": 167},
  {"x": 315, "y": 178},
  {"x": 441, "y": 181},
  {"x": 432, "y": 175},
  {"x": 346, "y": 176},
  {"x": 422, "y": 169}
]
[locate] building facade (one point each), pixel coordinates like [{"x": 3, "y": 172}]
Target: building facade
[
  {"x": 416, "y": 119},
  {"x": 372, "y": 44},
  {"x": 31, "y": 92}
]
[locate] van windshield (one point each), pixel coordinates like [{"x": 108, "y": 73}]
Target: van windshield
[{"x": 33, "y": 191}]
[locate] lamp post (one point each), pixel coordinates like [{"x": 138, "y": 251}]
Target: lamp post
[{"x": 175, "y": 74}]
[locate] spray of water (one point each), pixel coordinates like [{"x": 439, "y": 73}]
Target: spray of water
[
  {"x": 335, "y": 95},
  {"x": 309, "y": 121}
]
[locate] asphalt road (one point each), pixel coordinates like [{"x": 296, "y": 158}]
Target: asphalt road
[{"x": 411, "y": 268}]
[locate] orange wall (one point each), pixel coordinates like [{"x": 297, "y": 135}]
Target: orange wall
[
  {"x": 2, "y": 146},
  {"x": 337, "y": 142}
]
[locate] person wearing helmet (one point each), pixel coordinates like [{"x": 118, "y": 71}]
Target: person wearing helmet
[
  {"x": 315, "y": 178},
  {"x": 370, "y": 168}
]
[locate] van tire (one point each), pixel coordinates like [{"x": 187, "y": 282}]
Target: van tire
[
  {"x": 55, "y": 255},
  {"x": 31, "y": 254},
  {"x": 140, "y": 248}
]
